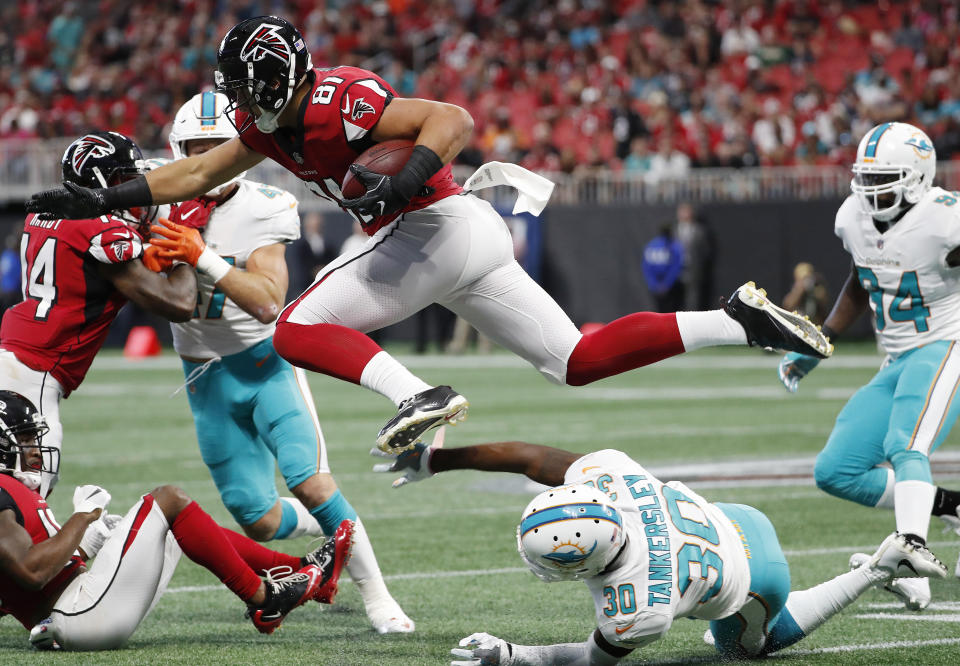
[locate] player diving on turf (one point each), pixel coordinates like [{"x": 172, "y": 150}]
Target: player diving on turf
[
  {"x": 649, "y": 552},
  {"x": 430, "y": 241}
]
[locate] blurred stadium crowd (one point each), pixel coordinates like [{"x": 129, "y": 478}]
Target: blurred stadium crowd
[{"x": 562, "y": 85}]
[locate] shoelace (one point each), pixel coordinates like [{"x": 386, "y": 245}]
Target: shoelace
[
  {"x": 324, "y": 557},
  {"x": 283, "y": 576}
]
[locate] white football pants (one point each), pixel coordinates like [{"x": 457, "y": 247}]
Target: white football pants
[
  {"x": 44, "y": 392},
  {"x": 102, "y": 607},
  {"x": 458, "y": 253}
]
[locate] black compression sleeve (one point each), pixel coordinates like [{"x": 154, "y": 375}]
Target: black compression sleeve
[
  {"x": 423, "y": 163},
  {"x": 134, "y": 192}
]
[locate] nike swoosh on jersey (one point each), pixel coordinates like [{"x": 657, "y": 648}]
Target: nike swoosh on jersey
[
  {"x": 587, "y": 469},
  {"x": 186, "y": 215},
  {"x": 263, "y": 360},
  {"x": 620, "y": 630}
]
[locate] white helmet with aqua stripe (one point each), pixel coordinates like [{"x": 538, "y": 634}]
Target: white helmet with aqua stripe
[
  {"x": 569, "y": 533},
  {"x": 895, "y": 166},
  {"x": 202, "y": 117}
]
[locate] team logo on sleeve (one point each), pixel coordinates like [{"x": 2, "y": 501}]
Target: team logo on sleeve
[
  {"x": 360, "y": 108},
  {"x": 87, "y": 147},
  {"x": 265, "y": 41}
]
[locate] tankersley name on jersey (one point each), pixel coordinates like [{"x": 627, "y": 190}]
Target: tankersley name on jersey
[
  {"x": 658, "y": 540},
  {"x": 257, "y": 215},
  {"x": 914, "y": 294}
]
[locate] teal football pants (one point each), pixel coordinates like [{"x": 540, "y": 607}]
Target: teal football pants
[
  {"x": 901, "y": 416},
  {"x": 253, "y": 412}
]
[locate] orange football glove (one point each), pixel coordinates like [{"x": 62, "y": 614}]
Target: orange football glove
[
  {"x": 180, "y": 242},
  {"x": 156, "y": 259}
]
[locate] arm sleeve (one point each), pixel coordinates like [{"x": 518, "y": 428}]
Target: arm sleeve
[
  {"x": 594, "y": 651},
  {"x": 117, "y": 244}
]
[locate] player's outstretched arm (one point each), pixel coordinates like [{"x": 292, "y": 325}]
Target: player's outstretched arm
[
  {"x": 482, "y": 649},
  {"x": 850, "y": 304},
  {"x": 173, "y": 297},
  {"x": 443, "y": 128},
  {"x": 261, "y": 288},
  {"x": 543, "y": 464},
  {"x": 177, "y": 181},
  {"x": 34, "y": 565}
]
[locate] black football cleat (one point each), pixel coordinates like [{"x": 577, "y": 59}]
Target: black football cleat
[
  {"x": 434, "y": 407},
  {"x": 284, "y": 593},
  {"x": 773, "y": 327},
  {"x": 330, "y": 558}
]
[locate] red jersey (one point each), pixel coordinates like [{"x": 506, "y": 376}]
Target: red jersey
[
  {"x": 334, "y": 125},
  {"x": 68, "y": 306},
  {"x": 33, "y": 514}
]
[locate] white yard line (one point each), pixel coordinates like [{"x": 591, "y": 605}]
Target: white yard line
[{"x": 899, "y": 617}]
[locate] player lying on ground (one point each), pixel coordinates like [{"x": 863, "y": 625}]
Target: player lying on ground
[
  {"x": 45, "y": 584},
  {"x": 253, "y": 411},
  {"x": 650, "y": 552},
  {"x": 77, "y": 276},
  {"x": 431, "y": 242},
  {"x": 904, "y": 237}
]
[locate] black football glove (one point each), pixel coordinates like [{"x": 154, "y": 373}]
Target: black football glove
[
  {"x": 70, "y": 202},
  {"x": 381, "y": 197}
]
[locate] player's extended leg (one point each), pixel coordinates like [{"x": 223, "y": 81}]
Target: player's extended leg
[
  {"x": 924, "y": 410},
  {"x": 744, "y": 634},
  {"x": 848, "y": 466},
  {"x": 287, "y": 421},
  {"x": 240, "y": 463}
]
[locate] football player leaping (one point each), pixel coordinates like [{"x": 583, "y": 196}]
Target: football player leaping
[
  {"x": 45, "y": 584},
  {"x": 77, "y": 276},
  {"x": 251, "y": 408},
  {"x": 649, "y": 552},
  {"x": 904, "y": 237},
  {"x": 430, "y": 241}
]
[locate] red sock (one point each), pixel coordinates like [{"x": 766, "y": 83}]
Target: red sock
[
  {"x": 337, "y": 351},
  {"x": 630, "y": 342},
  {"x": 204, "y": 542},
  {"x": 259, "y": 558}
]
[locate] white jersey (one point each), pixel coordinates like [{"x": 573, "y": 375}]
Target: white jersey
[
  {"x": 914, "y": 295},
  {"x": 256, "y": 216},
  {"x": 683, "y": 557}
]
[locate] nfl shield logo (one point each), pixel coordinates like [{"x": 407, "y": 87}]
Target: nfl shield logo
[{"x": 880, "y": 244}]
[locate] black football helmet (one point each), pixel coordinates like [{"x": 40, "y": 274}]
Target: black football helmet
[
  {"x": 104, "y": 159},
  {"x": 260, "y": 63},
  {"x": 22, "y": 426}
]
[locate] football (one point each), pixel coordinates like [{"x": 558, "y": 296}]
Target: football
[{"x": 387, "y": 158}]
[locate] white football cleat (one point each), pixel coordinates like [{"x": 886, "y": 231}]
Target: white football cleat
[
  {"x": 389, "y": 618},
  {"x": 907, "y": 559},
  {"x": 914, "y": 592}
]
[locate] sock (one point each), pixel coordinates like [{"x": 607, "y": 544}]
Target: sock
[
  {"x": 624, "y": 344},
  {"x": 206, "y": 543},
  {"x": 913, "y": 505},
  {"x": 258, "y": 557},
  {"x": 806, "y": 610},
  {"x": 946, "y": 502},
  {"x": 296, "y": 521},
  {"x": 331, "y": 513},
  {"x": 365, "y": 573},
  {"x": 708, "y": 329},
  {"x": 333, "y": 350},
  {"x": 385, "y": 375},
  {"x": 886, "y": 500}
]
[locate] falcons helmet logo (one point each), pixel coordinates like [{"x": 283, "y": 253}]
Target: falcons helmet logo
[
  {"x": 87, "y": 147},
  {"x": 265, "y": 41}
]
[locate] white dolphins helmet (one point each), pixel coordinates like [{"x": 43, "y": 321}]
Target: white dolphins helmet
[
  {"x": 895, "y": 166},
  {"x": 569, "y": 533},
  {"x": 202, "y": 117}
]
